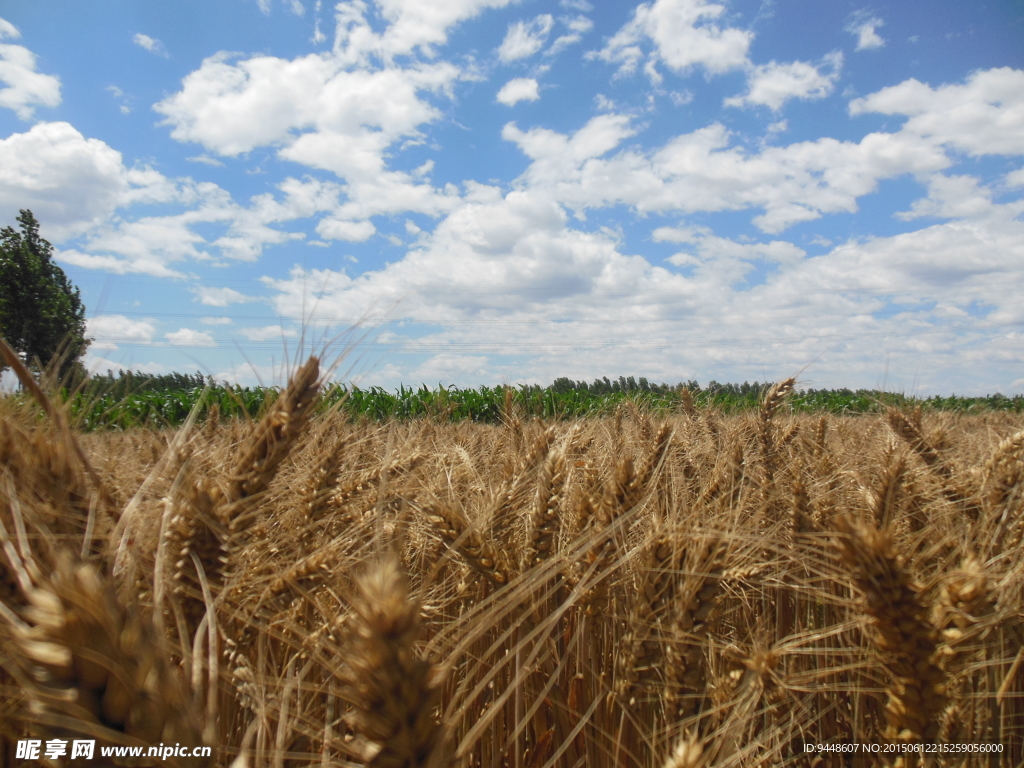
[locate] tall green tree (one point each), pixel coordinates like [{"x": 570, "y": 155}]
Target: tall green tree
[{"x": 41, "y": 312}]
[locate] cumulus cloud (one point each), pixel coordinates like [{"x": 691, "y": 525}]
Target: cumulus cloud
[
  {"x": 247, "y": 230},
  {"x": 578, "y": 26},
  {"x": 519, "y": 89},
  {"x": 319, "y": 114},
  {"x": 412, "y": 25},
  {"x": 517, "y": 259},
  {"x": 339, "y": 229},
  {"x": 525, "y": 38},
  {"x": 704, "y": 171},
  {"x": 982, "y": 116},
  {"x": 773, "y": 84},
  {"x": 187, "y": 337},
  {"x": 25, "y": 88},
  {"x": 295, "y": 6},
  {"x": 863, "y": 24},
  {"x": 70, "y": 182},
  {"x": 150, "y": 44},
  {"x": 266, "y": 333},
  {"x": 107, "y": 331},
  {"x": 8, "y": 30},
  {"x": 513, "y": 253},
  {"x": 145, "y": 264},
  {"x": 708, "y": 246},
  {"x": 97, "y": 363},
  {"x": 231, "y": 108},
  {"x": 953, "y": 197},
  {"x": 684, "y": 35},
  {"x": 1014, "y": 178},
  {"x": 206, "y": 160},
  {"x": 219, "y": 297}
]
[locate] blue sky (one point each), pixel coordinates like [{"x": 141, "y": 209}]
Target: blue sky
[{"x": 508, "y": 192}]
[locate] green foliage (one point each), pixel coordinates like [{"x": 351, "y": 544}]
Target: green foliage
[
  {"x": 41, "y": 312},
  {"x": 145, "y": 400}
]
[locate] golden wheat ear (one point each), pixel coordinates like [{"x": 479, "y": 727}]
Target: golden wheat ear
[
  {"x": 394, "y": 693},
  {"x": 55, "y": 466},
  {"x": 91, "y": 666},
  {"x": 268, "y": 445},
  {"x": 903, "y": 632},
  {"x": 212, "y": 517},
  {"x": 688, "y": 753}
]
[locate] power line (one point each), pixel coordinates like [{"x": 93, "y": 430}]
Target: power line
[
  {"x": 413, "y": 345},
  {"x": 362, "y": 322}
]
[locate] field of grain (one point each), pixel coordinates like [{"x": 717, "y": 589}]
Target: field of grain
[{"x": 685, "y": 589}]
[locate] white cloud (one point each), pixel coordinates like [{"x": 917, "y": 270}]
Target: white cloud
[
  {"x": 412, "y": 25},
  {"x": 150, "y": 44},
  {"x": 684, "y": 34},
  {"x": 578, "y": 24},
  {"x": 681, "y": 98},
  {"x": 525, "y": 38},
  {"x": 519, "y": 89},
  {"x": 187, "y": 337},
  {"x": 556, "y": 155},
  {"x": 561, "y": 43},
  {"x": 253, "y": 375},
  {"x": 149, "y": 244},
  {"x": 98, "y": 364},
  {"x": 216, "y": 321},
  {"x": 122, "y": 97},
  {"x": 982, "y": 117},
  {"x": 295, "y": 6},
  {"x": 700, "y": 171},
  {"x": 69, "y": 182},
  {"x": 513, "y": 252},
  {"x": 266, "y": 333},
  {"x": 953, "y": 197},
  {"x": 110, "y": 330},
  {"x": 709, "y": 246},
  {"x": 320, "y": 114},
  {"x": 772, "y": 84},
  {"x": 8, "y": 30},
  {"x": 1014, "y": 178},
  {"x": 206, "y": 160},
  {"x": 863, "y": 25},
  {"x": 220, "y": 297},
  {"x": 231, "y": 108},
  {"x": 143, "y": 265},
  {"x": 25, "y": 88},
  {"x": 749, "y": 308},
  {"x": 353, "y": 231}
]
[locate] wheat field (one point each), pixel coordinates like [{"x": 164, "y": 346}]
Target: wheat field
[{"x": 652, "y": 589}]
